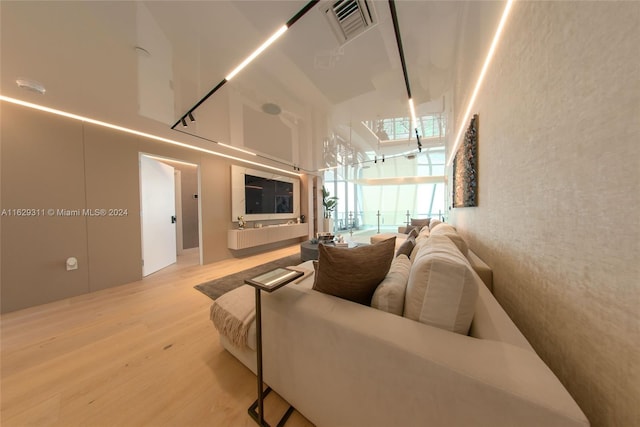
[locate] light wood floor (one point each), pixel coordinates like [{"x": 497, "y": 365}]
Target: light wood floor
[{"x": 140, "y": 354}]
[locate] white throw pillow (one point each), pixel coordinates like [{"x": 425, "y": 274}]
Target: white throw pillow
[
  {"x": 442, "y": 288},
  {"x": 448, "y": 230},
  {"x": 389, "y": 295},
  {"x": 433, "y": 223},
  {"x": 424, "y": 233}
]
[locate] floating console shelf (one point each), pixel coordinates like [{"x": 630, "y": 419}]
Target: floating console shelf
[{"x": 251, "y": 237}]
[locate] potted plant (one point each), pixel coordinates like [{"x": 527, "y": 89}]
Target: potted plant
[{"x": 329, "y": 202}]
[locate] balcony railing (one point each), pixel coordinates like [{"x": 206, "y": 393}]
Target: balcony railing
[{"x": 370, "y": 220}]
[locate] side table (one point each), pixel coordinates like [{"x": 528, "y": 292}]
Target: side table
[{"x": 267, "y": 282}]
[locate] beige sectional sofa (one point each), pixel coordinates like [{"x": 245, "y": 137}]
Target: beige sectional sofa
[{"x": 345, "y": 364}]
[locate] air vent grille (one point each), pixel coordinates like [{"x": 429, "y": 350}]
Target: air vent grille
[{"x": 350, "y": 18}]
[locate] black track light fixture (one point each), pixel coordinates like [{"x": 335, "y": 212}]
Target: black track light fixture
[
  {"x": 251, "y": 57},
  {"x": 419, "y": 143},
  {"x": 191, "y": 117},
  {"x": 184, "y": 122}
]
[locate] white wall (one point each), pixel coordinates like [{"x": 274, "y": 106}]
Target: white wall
[{"x": 559, "y": 201}]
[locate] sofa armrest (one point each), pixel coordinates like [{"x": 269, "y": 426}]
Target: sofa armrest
[
  {"x": 481, "y": 268},
  {"x": 341, "y": 363}
]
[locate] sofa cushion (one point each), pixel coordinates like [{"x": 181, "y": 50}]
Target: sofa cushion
[
  {"x": 433, "y": 223},
  {"x": 406, "y": 247},
  {"x": 443, "y": 229},
  {"x": 353, "y": 273},
  {"x": 389, "y": 295},
  {"x": 442, "y": 287}
]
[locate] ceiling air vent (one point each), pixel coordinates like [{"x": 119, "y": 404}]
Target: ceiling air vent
[{"x": 350, "y": 18}]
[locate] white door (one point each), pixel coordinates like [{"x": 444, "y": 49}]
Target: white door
[{"x": 157, "y": 193}]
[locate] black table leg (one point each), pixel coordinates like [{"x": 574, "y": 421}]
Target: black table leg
[{"x": 258, "y": 416}]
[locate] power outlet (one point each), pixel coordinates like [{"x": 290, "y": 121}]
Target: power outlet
[{"x": 72, "y": 263}]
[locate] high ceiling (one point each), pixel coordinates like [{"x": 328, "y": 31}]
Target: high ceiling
[{"x": 85, "y": 55}]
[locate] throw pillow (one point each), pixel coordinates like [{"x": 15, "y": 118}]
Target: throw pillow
[
  {"x": 413, "y": 233},
  {"x": 389, "y": 295},
  {"x": 449, "y": 231},
  {"x": 423, "y": 222},
  {"x": 433, "y": 223},
  {"x": 409, "y": 228},
  {"x": 406, "y": 247},
  {"x": 424, "y": 233},
  {"x": 442, "y": 288},
  {"x": 353, "y": 273}
]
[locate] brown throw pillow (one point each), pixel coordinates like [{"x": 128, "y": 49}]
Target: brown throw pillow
[
  {"x": 413, "y": 233},
  {"x": 423, "y": 222},
  {"x": 406, "y": 247},
  {"x": 353, "y": 273}
]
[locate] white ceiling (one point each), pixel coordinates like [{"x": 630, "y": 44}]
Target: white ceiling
[{"x": 84, "y": 53}]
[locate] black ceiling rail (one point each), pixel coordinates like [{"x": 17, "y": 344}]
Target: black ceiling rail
[
  {"x": 192, "y": 109},
  {"x": 289, "y": 23},
  {"x": 396, "y": 28},
  {"x": 301, "y": 12}
]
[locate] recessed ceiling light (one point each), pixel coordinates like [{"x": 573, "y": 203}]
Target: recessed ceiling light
[
  {"x": 271, "y": 108},
  {"x": 31, "y": 85}
]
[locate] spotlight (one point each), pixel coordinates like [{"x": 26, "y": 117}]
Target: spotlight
[
  {"x": 375, "y": 159},
  {"x": 191, "y": 117},
  {"x": 184, "y": 122},
  {"x": 383, "y": 158},
  {"x": 419, "y": 143}
]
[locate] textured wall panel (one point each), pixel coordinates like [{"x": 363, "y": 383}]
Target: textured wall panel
[{"x": 559, "y": 185}]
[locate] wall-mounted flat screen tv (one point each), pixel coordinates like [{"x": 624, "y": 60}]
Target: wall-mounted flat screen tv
[
  {"x": 263, "y": 196},
  {"x": 267, "y": 196}
]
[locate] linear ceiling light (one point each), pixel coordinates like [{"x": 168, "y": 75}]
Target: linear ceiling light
[
  {"x": 257, "y": 52},
  {"x": 135, "y": 132},
  {"x": 412, "y": 109},
  {"x": 487, "y": 62},
  {"x": 236, "y": 148},
  {"x": 251, "y": 57}
]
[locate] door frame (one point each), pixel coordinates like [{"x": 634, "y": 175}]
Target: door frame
[{"x": 199, "y": 210}]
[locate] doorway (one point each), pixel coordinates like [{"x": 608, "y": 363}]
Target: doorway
[{"x": 170, "y": 210}]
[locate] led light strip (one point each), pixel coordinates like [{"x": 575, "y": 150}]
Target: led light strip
[
  {"x": 246, "y": 62},
  {"x": 412, "y": 109},
  {"x": 328, "y": 169},
  {"x": 485, "y": 67},
  {"x": 257, "y": 52},
  {"x": 237, "y": 149},
  {"x": 135, "y": 132}
]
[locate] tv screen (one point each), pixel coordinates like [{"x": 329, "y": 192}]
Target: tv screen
[{"x": 266, "y": 196}]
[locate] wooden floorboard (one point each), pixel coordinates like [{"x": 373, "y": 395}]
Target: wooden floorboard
[{"x": 141, "y": 354}]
